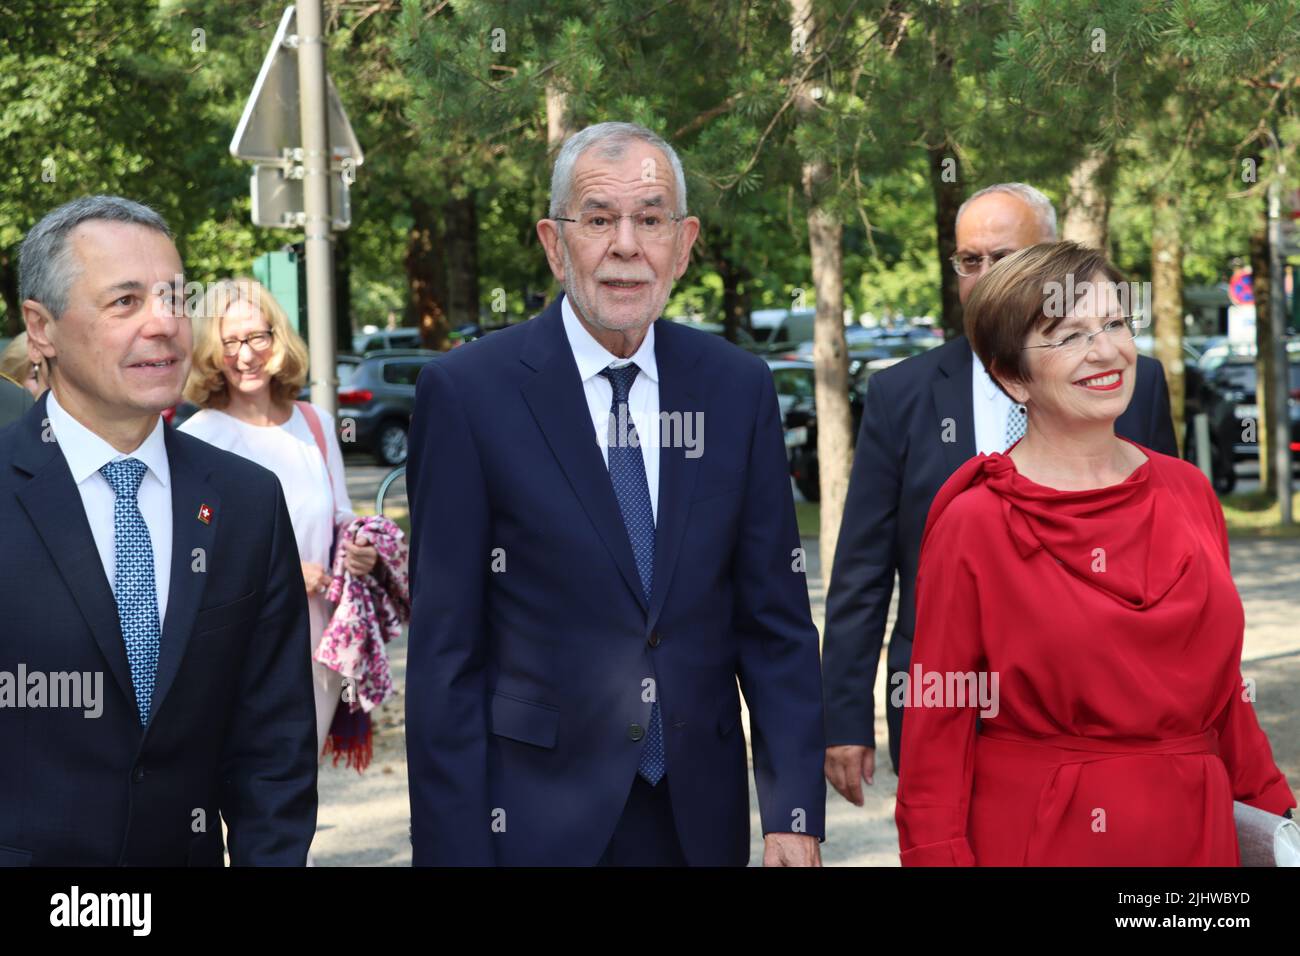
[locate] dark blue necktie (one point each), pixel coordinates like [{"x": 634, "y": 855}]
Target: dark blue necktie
[
  {"x": 627, "y": 472},
  {"x": 133, "y": 585}
]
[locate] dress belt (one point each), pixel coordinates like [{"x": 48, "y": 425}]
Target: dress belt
[
  {"x": 1204, "y": 743},
  {"x": 1073, "y": 753}
]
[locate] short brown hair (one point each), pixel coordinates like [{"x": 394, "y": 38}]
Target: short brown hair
[
  {"x": 1012, "y": 301},
  {"x": 207, "y": 386}
]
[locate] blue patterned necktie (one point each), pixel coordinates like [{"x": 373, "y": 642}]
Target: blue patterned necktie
[
  {"x": 1015, "y": 424},
  {"x": 627, "y": 472},
  {"x": 133, "y": 584}
]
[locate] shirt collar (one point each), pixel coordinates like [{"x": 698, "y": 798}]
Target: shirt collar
[
  {"x": 986, "y": 383},
  {"x": 593, "y": 358},
  {"x": 86, "y": 452}
]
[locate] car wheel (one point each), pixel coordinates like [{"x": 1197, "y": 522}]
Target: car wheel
[{"x": 390, "y": 444}]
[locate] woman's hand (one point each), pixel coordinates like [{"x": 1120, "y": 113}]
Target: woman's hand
[
  {"x": 360, "y": 556},
  {"x": 316, "y": 578}
]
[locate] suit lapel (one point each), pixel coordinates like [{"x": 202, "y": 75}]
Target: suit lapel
[
  {"x": 954, "y": 404},
  {"x": 556, "y": 398},
  {"x": 192, "y": 541},
  {"x": 679, "y": 395},
  {"x": 53, "y": 504}
]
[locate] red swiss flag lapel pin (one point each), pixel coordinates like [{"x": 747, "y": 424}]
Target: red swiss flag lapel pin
[{"x": 205, "y": 514}]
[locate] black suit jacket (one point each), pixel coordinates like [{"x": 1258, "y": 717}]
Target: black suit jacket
[
  {"x": 526, "y": 694},
  {"x": 900, "y": 463},
  {"x": 232, "y": 730}
]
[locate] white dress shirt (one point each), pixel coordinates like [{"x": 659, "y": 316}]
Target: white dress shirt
[
  {"x": 642, "y": 400},
  {"x": 992, "y": 406},
  {"x": 85, "y": 453}
]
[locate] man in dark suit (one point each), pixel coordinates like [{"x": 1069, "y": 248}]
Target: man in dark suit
[
  {"x": 603, "y": 540},
  {"x": 922, "y": 419},
  {"x": 14, "y": 400},
  {"x": 154, "y": 660}
]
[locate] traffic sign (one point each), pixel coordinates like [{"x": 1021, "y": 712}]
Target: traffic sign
[
  {"x": 1240, "y": 289},
  {"x": 269, "y": 134},
  {"x": 278, "y": 200}
]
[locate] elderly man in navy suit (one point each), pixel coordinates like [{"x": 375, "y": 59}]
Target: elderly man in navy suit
[
  {"x": 155, "y": 674},
  {"x": 921, "y": 420},
  {"x": 603, "y": 542}
]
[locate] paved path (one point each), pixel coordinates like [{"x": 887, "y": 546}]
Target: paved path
[{"x": 363, "y": 818}]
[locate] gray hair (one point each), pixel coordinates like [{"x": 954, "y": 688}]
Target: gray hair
[
  {"x": 46, "y": 266},
  {"x": 1036, "y": 201},
  {"x": 612, "y": 138}
]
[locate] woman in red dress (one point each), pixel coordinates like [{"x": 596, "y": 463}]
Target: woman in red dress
[{"x": 1084, "y": 580}]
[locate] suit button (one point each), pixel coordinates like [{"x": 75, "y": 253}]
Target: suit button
[
  {"x": 137, "y": 775},
  {"x": 654, "y": 638},
  {"x": 635, "y": 732}
]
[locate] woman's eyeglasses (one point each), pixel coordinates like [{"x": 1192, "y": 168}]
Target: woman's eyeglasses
[
  {"x": 1119, "y": 329},
  {"x": 258, "y": 342}
]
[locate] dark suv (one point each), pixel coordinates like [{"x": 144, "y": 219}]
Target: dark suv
[
  {"x": 377, "y": 395},
  {"x": 1228, "y": 399}
]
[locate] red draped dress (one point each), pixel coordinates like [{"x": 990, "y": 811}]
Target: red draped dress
[{"x": 1120, "y": 731}]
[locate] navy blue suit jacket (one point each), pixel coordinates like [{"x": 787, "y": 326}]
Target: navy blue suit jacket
[
  {"x": 531, "y": 640},
  {"x": 232, "y": 727},
  {"x": 900, "y": 462}
]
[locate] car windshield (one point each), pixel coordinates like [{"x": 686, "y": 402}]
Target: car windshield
[{"x": 1241, "y": 375}]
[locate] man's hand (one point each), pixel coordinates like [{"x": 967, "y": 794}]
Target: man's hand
[
  {"x": 791, "y": 849},
  {"x": 847, "y": 766}
]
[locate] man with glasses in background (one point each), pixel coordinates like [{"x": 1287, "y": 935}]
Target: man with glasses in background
[
  {"x": 922, "y": 419},
  {"x": 603, "y": 541}
]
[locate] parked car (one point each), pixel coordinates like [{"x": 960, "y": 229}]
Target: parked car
[
  {"x": 743, "y": 337},
  {"x": 377, "y": 395},
  {"x": 782, "y": 327},
  {"x": 1228, "y": 397},
  {"x": 867, "y": 347},
  {"x": 796, "y": 396},
  {"x": 386, "y": 340}
]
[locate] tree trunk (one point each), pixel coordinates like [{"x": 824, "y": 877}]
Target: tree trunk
[
  {"x": 1260, "y": 279},
  {"x": 342, "y": 292},
  {"x": 830, "y": 351},
  {"x": 558, "y": 121},
  {"x": 1087, "y": 204},
  {"x": 426, "y": 278},
  {"x": 831, "y": 365},
  {"x": 9, "y": 292},
  {"x": 460, "y": 242},
  {"x": 1167, "y": 292},
  {"x": 736, "y": 295},
  {"x": 945, "y": 180}
]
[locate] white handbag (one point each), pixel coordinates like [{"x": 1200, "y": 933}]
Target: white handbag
[{"x": 1265, "y": 839}]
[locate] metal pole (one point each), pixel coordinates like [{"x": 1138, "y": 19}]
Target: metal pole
[
  {"x": 1280, "y": 413},
  {"x": 316, "y": 204}
]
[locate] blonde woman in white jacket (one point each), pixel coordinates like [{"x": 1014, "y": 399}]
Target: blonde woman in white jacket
[{"x": 248, "y": 367}]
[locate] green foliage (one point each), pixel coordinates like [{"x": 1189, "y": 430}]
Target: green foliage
[{"x": 449, "y": 99}]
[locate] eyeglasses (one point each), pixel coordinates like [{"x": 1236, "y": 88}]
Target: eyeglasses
[
  {"x": 1119, "y": 329},
  {"x": 600, "y": 224},
  {"x": 969, "y": 265},
  {"x": 258, "y": 342}
]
